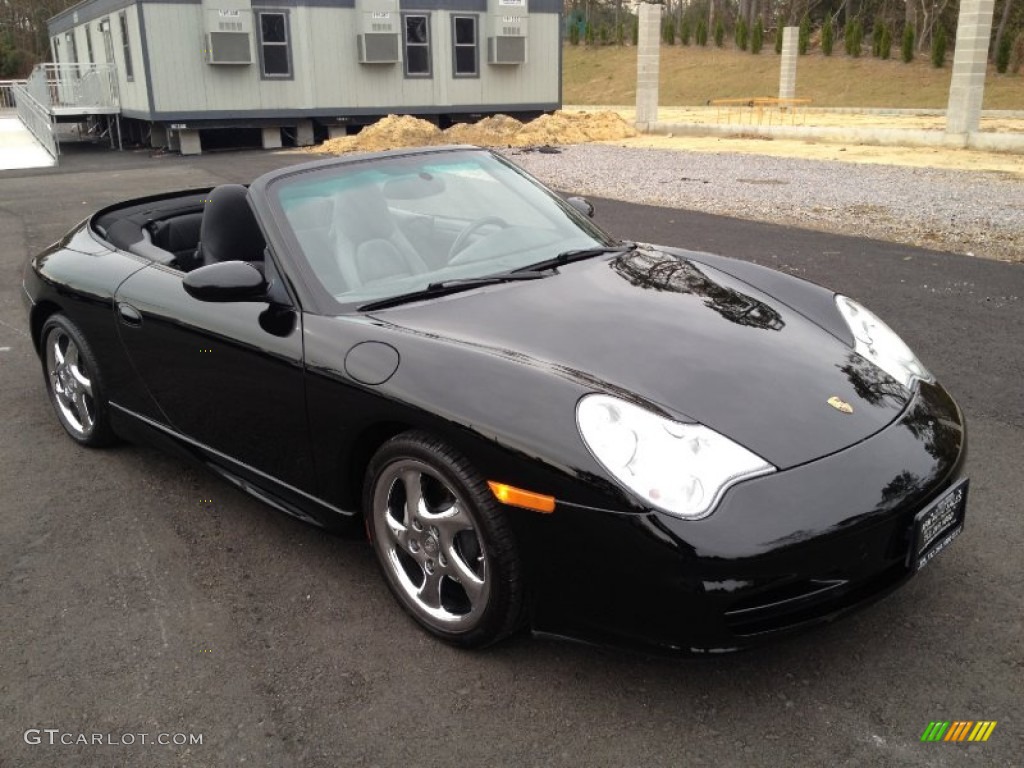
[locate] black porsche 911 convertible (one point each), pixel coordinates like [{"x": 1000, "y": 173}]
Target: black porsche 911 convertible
[{"x": 540, "y": 425}]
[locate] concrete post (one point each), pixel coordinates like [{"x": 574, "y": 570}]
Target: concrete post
[
  {"x": 648, "y": 52},
  {"x": 272, "y": 138},
  {"x": 304, "y": 133},
  {"x": 190, "y": 143},
  {"x": 970, "y": 61},
  {"x": 787, "y": 73},
  {"x": 158, "y": 135}
]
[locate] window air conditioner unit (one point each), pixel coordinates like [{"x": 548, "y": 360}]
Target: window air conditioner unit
[
  {"x": 228, "y": 36},
  {"x": 378, "y": 48},
  {"x": 228, "y": 48},
  {"x": 506, "y": 49}
]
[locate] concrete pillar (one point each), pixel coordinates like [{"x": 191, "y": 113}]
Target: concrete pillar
[
  {"x": 970, "y": 61},
  {"x": 158, "y": 135},
  {"x": 304, "y": 133},
  {"x": 336, "y": 132},
  {"x": 190, "y": 143},
  {"x": 648, "y": 52},
  {"x": 272, "y": 138},
  {"x": 787, "y": 73}
]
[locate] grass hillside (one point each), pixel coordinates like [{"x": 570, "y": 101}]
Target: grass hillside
[{"x": 691, "y": 75}]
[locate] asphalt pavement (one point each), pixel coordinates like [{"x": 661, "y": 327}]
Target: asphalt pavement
[{"x": 141, "y": 595}]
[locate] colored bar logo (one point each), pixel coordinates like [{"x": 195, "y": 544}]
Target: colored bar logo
[{"x": 958, "y": 730}]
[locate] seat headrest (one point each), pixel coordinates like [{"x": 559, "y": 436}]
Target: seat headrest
[{"x": 229, "y": 231}]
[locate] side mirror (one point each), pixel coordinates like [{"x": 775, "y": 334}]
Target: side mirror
[
  {"x": 226, "y": 281},
  {"x": 582, "y": 205}
]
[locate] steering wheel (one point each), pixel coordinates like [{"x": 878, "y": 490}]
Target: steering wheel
[{"x": 463, "y": 239}]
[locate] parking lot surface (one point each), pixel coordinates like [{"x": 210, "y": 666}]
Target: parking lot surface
[{"x": 141, "y": 595}]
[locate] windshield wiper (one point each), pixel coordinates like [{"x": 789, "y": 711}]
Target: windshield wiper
[
  {"x": 444, "y": 287},
  {"x": 579, "y": 254}
]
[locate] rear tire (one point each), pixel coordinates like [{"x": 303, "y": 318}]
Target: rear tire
[
  {"x": 447, "y": 552},
  {"x": 74, "y": 383}
]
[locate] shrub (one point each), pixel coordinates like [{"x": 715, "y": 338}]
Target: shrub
[
  {"x": 574, "y": 34},
  {"x": 908, "y": 44},
  {"x": 828, "y": 35},
  {"x": 757, "y": 37},
  {"x": 742, "y": 34},
  {"x": 668, "y": 32},
  {"x": 588, "y": 33},
  {"x": 939, "y": 47},
  {"x": 804, "y": 40},
  {"x": 778, "y": 34},
  {"x": 719, "y": 33},
  {"x": 1003, "y": 54},
  {"x": 602, "y": 33},
  {"x": 702, "y": 33},
  {"x": 1017, "y": 53},
  {"x": 885, "y": 45},
  {"x": 620, "y": 33},
  {"x": 685, "y": 33},
  {"x": 876, "y": 38},
  {"x": 854, "y": 36},
  {"x": 636, "y": 31}
]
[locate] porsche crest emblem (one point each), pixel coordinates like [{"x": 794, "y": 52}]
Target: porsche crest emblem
[{"x": 840, "y": 405}]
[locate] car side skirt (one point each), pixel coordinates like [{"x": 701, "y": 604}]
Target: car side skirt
[{"x": 267, "y": 488}]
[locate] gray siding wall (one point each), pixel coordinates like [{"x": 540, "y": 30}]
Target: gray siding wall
[
  {"x": 134, "y": 95},
  {"x": 327, "y": 74}
]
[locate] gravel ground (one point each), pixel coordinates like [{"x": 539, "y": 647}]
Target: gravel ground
[{"x": 975, "y": 213}]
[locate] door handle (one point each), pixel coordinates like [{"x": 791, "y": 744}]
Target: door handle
[{"x": 129, "y": 315}]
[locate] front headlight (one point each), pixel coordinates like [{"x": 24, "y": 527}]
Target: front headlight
[
  {"x": 877, "y": 342},
  {"x": 682, "y": 469}
]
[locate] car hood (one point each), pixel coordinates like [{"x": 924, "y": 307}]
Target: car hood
[{"x": 690, "y": 339}]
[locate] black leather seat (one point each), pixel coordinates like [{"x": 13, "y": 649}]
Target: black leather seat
[
  {"x": 229, "y": 231},
  {"x": 180, "y": 236}
]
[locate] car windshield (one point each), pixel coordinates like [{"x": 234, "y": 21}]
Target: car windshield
[{"x": 396, "y": 225}]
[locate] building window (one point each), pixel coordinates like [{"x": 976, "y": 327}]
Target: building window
[
  {"x": 417, "y": 45},
  {"x": 129, "y": 73},
  {"x": 88, "y": 43},
  {"x": 275, "y": 46},
  {"x": 465, "y": 54}
]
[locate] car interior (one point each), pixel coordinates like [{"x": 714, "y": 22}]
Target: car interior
[{"x": 195, "y": 230}]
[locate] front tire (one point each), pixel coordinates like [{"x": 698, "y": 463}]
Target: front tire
[
  {"x": 74, "y": 383},
  {"x": 443, "y": 543}
]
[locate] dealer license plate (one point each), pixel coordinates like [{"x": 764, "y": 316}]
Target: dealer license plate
[{"x": 936, "y": 526}]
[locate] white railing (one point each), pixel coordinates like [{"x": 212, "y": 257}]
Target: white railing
[
  {"x": 7, "y": 93},
  {"x": 75, "y": 85},
  {"x": 36, "y": 117}
]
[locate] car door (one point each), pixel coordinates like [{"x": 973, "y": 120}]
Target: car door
[{"x": 227, "y": 375}]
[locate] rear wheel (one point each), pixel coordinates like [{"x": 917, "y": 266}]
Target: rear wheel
[
  {"x": 443, "y": 543},
  {"x": 74, "y": 383}
]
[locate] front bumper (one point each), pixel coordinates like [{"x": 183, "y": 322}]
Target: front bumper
[{"x": 781, "y": 552}]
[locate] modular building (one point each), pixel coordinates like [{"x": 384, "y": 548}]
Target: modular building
[{"x": 299, "y": 69}]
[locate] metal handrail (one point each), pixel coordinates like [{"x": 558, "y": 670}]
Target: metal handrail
[
  {"x": 36, "y": 117},
  {"x": 75, "y": 85},
  {"x": 7, "y": 92}
]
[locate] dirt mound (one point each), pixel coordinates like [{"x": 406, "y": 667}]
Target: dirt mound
[
  {"x": 498, "y": 131},
  {"x": 388, "y": 133}
]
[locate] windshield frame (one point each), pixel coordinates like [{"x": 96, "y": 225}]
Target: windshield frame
[{"x": 266, "y": 197}]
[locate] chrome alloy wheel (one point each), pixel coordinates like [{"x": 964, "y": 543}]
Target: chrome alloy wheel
[
  {"x": 70, "y": 383},
  {"x": 430, "y": 546}
]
